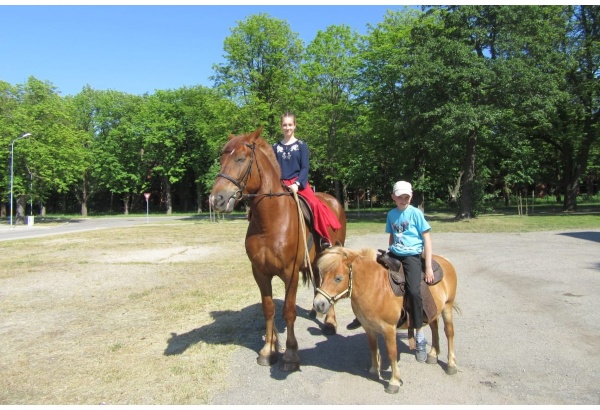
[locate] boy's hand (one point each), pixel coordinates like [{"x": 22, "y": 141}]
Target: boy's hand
[{"x": 429, "y": 275}]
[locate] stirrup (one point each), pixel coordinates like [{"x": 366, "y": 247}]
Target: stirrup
[{"x": 325, "y": 244}]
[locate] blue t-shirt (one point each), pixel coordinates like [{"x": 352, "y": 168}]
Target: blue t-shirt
[
  {"x": 293, "y": 161},
  {"x": 407, "y": 228}
]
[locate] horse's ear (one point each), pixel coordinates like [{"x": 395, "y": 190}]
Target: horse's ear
[
  {"x": 231, "y": 136},
  {"x": 256, "y": 134}
]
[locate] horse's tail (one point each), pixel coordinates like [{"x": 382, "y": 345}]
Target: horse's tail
[{"x": 310, "y": 276}]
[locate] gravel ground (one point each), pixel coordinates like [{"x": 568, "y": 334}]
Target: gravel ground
[{"x": 528, "y": 333}]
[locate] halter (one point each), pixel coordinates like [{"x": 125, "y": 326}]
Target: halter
[
  {"x": 241, "y": 185},
  {"x": 333, "y": 299}
]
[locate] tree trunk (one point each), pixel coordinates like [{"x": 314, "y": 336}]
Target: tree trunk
[
  {"x": 20, "y": 209},
  {"x": 346, "y": 203},
  {"x": 453, "y": 192},
  {"x": 506, "y": 194},
  {"x": 168, "y": 198},
  {"x": 126, "y": 200},
  {"x": 465, "y": 210},
  {"x": 84, "y": 197}
]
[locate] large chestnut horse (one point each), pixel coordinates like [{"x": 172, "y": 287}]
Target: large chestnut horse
[
  {"x": 274, "y": 243},
  {"x": 357, "y": 275}
]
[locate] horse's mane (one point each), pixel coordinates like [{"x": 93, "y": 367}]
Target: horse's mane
[
  {"x": 333, "y": 258},
  {"x": 260, "y": 144},
  {"x": 266, "y": 149}
]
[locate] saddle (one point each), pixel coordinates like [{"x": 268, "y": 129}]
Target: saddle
[{"x": 398, "y": 283}]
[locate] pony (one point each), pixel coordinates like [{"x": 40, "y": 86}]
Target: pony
[
  {"x": 355, "y": 274},
  {"x": 277, "y": 237}
]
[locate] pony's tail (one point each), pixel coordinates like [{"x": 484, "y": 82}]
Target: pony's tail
[{"x": 456, "y": 307}]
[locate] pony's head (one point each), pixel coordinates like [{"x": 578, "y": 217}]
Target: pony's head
[
  {"x": 335, "y": 270},
  {"x": 247, "y": 165}
]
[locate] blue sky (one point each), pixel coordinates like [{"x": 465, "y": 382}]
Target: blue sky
[{"x": 142, "y": 48}]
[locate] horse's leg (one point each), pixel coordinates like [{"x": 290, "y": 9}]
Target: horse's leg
[
  {"x": 392, "y": 348},
  {"x": 267, "y": 356},
  {"x": 432, "y": 356},
  {"x": 291, "y": 360},
  {"x": 449, "y": 330},
  {"x": 375, "y": 357}
]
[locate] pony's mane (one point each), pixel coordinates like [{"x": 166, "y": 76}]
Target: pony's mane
[{"x": 333, "y": 258}]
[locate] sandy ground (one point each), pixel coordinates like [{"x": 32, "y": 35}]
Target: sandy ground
[{"x": 528, "y": 333}]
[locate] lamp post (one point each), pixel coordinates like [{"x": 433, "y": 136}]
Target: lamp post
[{"x": 12, "y": 150}]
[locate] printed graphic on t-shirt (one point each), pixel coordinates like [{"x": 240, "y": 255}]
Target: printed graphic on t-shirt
[{"x": 399, "y": 230}]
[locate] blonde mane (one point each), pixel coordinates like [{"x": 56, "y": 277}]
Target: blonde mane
[{"x": 333, "y": 258}]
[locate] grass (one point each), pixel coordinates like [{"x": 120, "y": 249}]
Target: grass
[{"x": 140, "y": 316}]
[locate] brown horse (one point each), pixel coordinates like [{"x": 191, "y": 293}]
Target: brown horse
[
  {"x": 274, "y": 240},
  {"x": 357, "y": 275}
]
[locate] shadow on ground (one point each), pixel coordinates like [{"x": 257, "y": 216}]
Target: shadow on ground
[{"x": 245, "y": 328}]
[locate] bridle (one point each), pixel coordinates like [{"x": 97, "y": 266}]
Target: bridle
[
  {"x": 241, "y": 185},
  {"x": 348, "y": 291}
]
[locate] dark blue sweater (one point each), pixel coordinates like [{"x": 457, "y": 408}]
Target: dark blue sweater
[{"x": 293, "y": 161}]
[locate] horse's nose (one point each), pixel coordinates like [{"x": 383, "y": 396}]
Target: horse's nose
[
  {"x": 217, "y": 201},
  {"x": 320, "y": 304}
]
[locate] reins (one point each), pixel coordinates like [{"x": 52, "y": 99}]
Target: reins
[{"x": 303, "y": 226}]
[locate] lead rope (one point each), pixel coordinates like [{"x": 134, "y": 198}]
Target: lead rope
[{"x": 303, "y": 225}]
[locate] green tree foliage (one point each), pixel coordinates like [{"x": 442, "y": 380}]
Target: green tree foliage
[
  {"x": 262, "y": 54},
  {"x": 467, "y": 102},
  {"x": 328, "y": 109}
]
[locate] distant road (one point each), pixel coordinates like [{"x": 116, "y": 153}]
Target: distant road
[{"x": 40, "y": 229}]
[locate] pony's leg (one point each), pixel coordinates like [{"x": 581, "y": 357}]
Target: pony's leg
[
  {"x": 392, "y": 348},
  {"x": 449, "y": 330},
  {"x": 375, "y": 357},
  {"x": 267, "y": 356},
  {"x": 290, "y": 360},
  {"x": 330, "y": 324},
  {"x": 432, "y": 356}
]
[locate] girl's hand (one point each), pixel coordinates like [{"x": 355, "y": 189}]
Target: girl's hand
[{"x": 293, "y": 188}]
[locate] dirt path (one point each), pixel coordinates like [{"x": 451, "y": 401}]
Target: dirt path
[{"x": 528, "y": 333}]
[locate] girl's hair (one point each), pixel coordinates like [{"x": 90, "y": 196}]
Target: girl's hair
[{"x": 288, "y": 114}]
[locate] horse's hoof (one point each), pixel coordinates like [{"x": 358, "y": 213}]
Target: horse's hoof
[
  {"x": 451, "y": 370},
  {"x": 392, "y": 389},
  {"x": 329, "y": 329},
  {"x": 267, "y": 360},
  {"x": 431, "y": 360},
  {"x": 312, "y": 314},
  {"x": 289, "y": 366}
]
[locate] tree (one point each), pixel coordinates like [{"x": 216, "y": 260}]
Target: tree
[
  {"x": 56, "y": 155},
  {"x": 328, "y": 114},
  {"x": 262, "y": 55}
]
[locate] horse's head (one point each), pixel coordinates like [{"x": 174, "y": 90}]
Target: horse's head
[
  {"x": 336, "y": 274},
  {"x": 239, "y": 169}
]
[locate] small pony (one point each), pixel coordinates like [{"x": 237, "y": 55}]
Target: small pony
[{"x": 358, "y": 276}]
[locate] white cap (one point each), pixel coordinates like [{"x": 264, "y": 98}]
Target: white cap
[{"x": 402, "y": 188}]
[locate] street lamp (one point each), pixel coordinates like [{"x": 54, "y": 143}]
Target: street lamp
[{"x": 12, "y": 150}]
